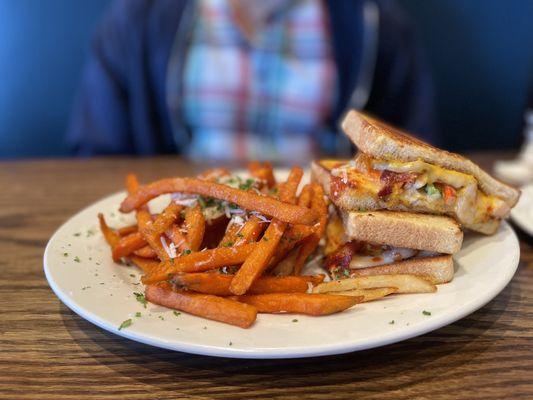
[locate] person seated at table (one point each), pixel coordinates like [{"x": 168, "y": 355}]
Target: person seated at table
[{"x": 246, "y": 79}]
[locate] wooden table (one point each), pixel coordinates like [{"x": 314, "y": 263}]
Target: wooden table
[{"x": 48, "y": 352}]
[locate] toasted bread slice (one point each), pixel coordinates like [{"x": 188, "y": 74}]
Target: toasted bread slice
[
  {"x": 351, "y": 199},
  {"x": 437, "y": 269},
  {"x": 383, "y": 141},
  {"x": 403, "y": 229}
]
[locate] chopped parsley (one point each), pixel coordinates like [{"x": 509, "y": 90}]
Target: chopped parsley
[
  {"x": 65, "y": 254},
  {"x": 177, "y": 314},
  {"x": 265, "y": 238},
  {"x": 294, "y": 320},
  {"x": 432, "y": 190},
  {"x": 125, "y": 324},
  {"x": 228, "y": 244},
  {"x": 240, "y": 235},
  {"x": 140, "y": 298},
  {"x": 246, "y": 185},
  {"x": 138, "y": 314},
  {"x": 77, "y": 234},
  {"x": 132, "y": 275},
  {"x": 391, "y": 322},
  {"x": 426, "y": 312},
  {"x": 77, "y": 259},
  {"x": 205, "y": 327},
  {"x": 231, "y": 343},
  {"x": 161, "y": 317},
  {"x": 185, "y": 252}
]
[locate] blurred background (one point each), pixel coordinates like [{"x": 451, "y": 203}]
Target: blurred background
[{"x": 480, "y": 55}]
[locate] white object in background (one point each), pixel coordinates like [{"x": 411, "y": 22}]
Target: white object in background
[
  {"x": 520, "y": 170},
  {"x": 79, "y": 268},
  {"x": 522, "y": 213}
]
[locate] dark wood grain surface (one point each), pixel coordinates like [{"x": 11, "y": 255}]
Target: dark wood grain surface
[{"x": 48, "y": 352}]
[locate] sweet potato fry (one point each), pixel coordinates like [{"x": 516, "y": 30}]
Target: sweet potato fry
[
  {"x": 165, "y": 220},
  {"x": 200, "y": 261},
  {"x": 111, "y": 237},
  {"x": 127, "y": 230},
  {"x": 245, "y": 199},
  {"x": 293, "y": 236},
  {"x": 250, "y": 231},
  {"x": 258, "y": 261},
  {"x": 153, "y": 239},
  {"x": 203, "y": 305},
  {"x": 304, "y": 199},
  {"x": 263, "y": 171},
  {"x": 127, "y": 245},
  {"x": 300, "y": 303},
  {"x": 145, "y": 252},
  {"x": 218, "y": 284},
  {"x": 145, "y": 264},
  {"x": 132, "y": 183},
  {"x": 195, "y": 225},
  {"x": 319, "y": 205},
  {"x": 178, "y": 238},
  {"x": 404, "y": 284}
]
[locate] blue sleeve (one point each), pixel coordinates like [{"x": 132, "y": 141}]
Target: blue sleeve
[
  {"x": 402, "y": 91},
  {"x": 99, "y": 121}
]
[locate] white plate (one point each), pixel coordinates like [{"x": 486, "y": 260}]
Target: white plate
[
  {"x": 522, "y": 213},
  {"x": 78, "y": 266}
]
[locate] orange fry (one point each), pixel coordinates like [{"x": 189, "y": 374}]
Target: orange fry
[
  {"x": 145, "y": 252},
  {"x": 250, "y": 231},
  {"x": 319, "y": 205},
  {"x": 127, "y": 245},
  {"x": 293, "y": 236},
  {"x": 258, "y": 261},
  {"x": 165, "y": 220},
  {"x": 200, "y": 261},
  {"x": 203, "y": 305},
  {"x": 195, "y": 224},
  {"x": 304, "y": 199},
  {"x": 178, "y": 238},
  {"x": 127, "y": 230},
  {"x": 300, "y": 303},
  {"x": 110, "y": 236},
  {"x": 263, "y": 171},
  {"x": 218, "y": 284},
  {"x": 145, "y": 264},
  {"x": 248, "y": 200}
]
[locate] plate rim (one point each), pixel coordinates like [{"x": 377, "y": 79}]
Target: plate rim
[
  {"x": 518, "y": 221},
  {"x": 406, "y": 333}
]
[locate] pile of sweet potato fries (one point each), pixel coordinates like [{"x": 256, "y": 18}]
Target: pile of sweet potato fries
[{"x": 244, "y": 258}]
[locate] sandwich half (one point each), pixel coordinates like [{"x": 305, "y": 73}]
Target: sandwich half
[
  {"x": 394, "y": 171},
  {"x": 388, "y": 242}
]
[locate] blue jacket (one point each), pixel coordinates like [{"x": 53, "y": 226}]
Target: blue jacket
[{"x": 124, "y": 107}]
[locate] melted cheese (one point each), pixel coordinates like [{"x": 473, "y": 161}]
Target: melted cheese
[{"x": 433, "y": 172}]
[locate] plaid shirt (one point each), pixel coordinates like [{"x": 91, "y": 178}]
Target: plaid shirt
[{"x": 265, "y": 99}]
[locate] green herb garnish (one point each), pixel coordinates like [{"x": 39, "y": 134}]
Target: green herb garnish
[
  {"x": 426, "y": 312},
  {"x": 391, "y": 322},
  {"x": 228, "y": 244},
  {"x": 138, "y": 314},
  {"x": 432, "y": 190},
  {"x": 177, "y": 314},
  {"x": 125, "y": 324},
  {"x": 77, "y": 234},
  {"x": 77, "y": 259},
  {"x": 140, "y": 298},
  {"x": 240, "y": 235},
  {"x": 247, "y": 185},
  {"x": 294, "y": 320},
  {"x": 185, "y": 252}
]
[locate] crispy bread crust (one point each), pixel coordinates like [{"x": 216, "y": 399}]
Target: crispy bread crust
[
  {"x": 351, "y": 200},
  {"x": 438, "y": 269},
  {"x": 404, "y": 229},
  {"x": 383, "y": 141}
]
